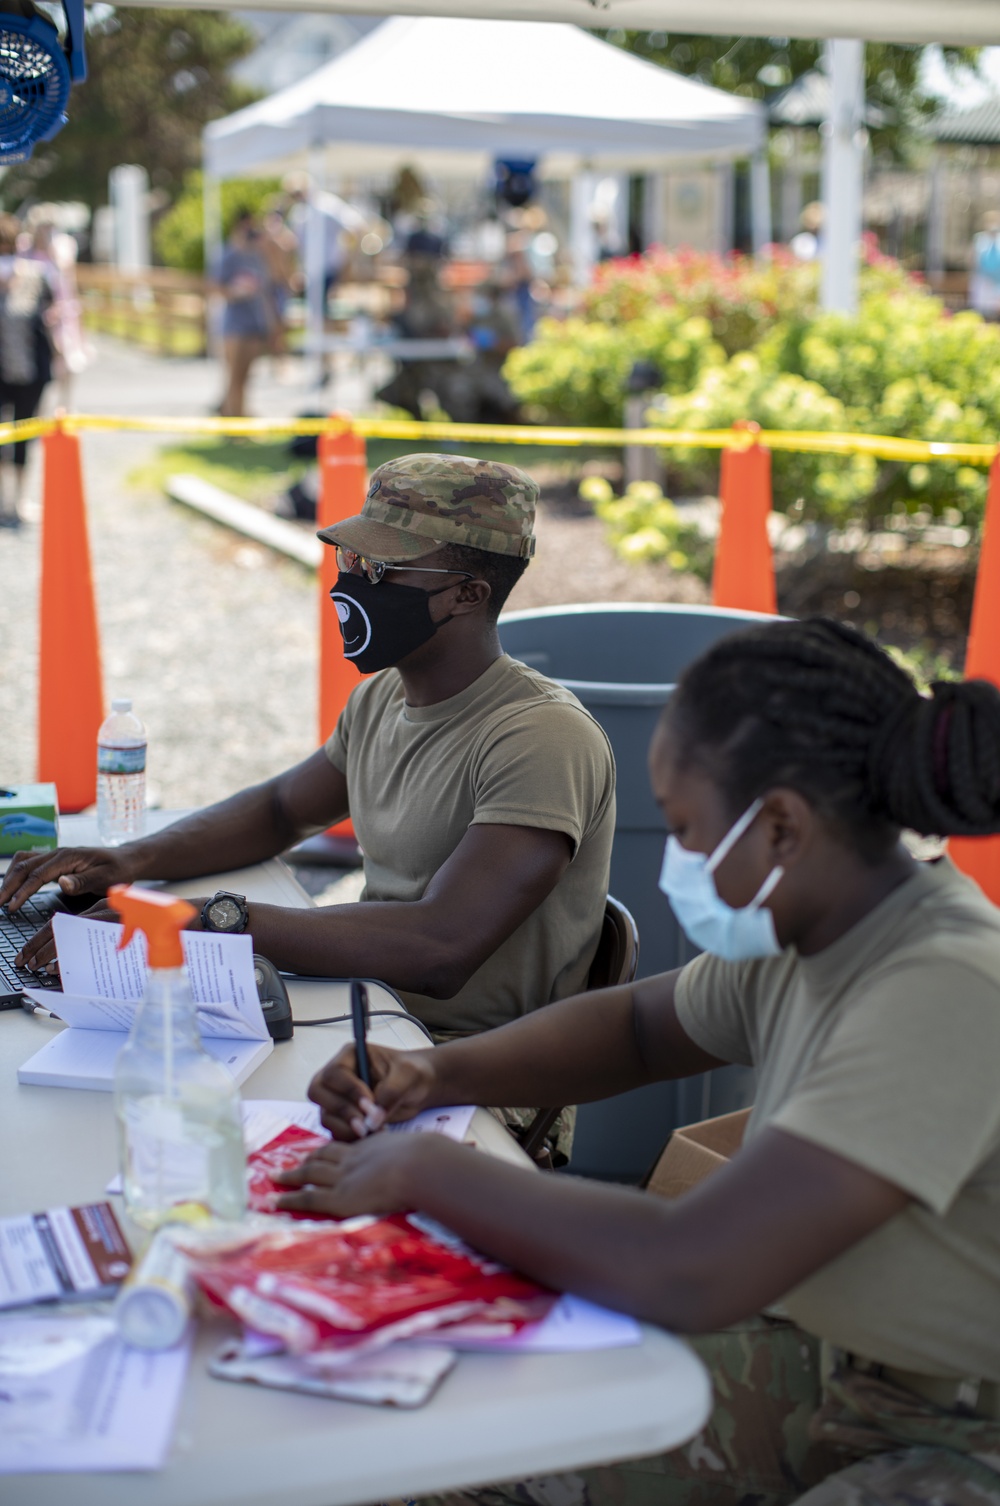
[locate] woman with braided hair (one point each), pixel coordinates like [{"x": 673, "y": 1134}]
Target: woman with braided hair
[{"x": 841, "y": 1275}]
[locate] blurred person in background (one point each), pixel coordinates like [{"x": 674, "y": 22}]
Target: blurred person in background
[
  {"x": 248, "y": 321},
  {"x": 58, "y": 250},
  {"x": 525, "y": 264},
  {"x": 404, "y": 199},
  {"x": 27, "y": 301},
  {"x": 279, "y": 248},
  {"x": 338, "y": 223},
  {"x": 807, "y": 244},
  {"x": 984, "y": 276}
]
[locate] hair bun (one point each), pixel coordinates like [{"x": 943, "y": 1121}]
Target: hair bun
[{"x": 935, "y": 764}]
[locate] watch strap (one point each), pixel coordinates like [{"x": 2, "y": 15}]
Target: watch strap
[{"x": 241, "y": 903}]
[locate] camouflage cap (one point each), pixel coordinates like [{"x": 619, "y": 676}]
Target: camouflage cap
[{"x": 419, "y": 502}]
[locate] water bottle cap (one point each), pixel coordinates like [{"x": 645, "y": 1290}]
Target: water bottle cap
[{"x": 123, "y": 703}]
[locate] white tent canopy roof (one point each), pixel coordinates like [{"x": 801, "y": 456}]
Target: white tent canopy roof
[{"x": 460, "y": 92}]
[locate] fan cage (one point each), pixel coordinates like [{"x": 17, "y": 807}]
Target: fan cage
[{"x": 34, "y": 86}]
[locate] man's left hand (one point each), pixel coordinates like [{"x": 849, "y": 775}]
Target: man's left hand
[{"x": 381, "y": 1174}]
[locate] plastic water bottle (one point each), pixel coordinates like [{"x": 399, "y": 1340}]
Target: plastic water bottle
[
  {"x": 180, "y": 1131},
  {"x": 121, "y": 776}
]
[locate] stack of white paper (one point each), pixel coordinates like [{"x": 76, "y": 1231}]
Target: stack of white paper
[
  {"x": 102, "y": 987},
  {"x": 76, "y": 1398}
]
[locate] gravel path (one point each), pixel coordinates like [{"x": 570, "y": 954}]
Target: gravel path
[{"x": 213, "y": 637}]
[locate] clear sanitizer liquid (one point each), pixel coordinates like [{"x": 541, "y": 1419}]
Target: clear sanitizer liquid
[{"x": 180, "y": 1132}]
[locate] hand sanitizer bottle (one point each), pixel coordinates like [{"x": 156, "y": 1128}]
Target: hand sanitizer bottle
[{"x": 180, "y": 1133}]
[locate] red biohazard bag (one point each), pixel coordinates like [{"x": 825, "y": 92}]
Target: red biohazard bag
[
  {"x": 280, "y": 1154},
  {"x": 351, "y": 1285}
]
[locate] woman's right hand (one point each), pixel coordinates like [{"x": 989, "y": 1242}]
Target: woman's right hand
[
  {"x": 403, "y": 1084},
  {"x": 79, "y": 870}
]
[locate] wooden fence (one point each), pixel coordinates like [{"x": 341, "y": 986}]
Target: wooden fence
[{"x": 160, "y": 308}]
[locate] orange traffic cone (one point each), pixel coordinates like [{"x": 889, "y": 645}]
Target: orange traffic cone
[
  {"x": 343, "y": 482},
  {"x": 743, "y": 576},
  {"x": 979, "y": 857},
  {"x": 70, "y": 694}
]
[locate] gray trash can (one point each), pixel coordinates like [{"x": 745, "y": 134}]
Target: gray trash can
[{"x": 622, "y": 661}]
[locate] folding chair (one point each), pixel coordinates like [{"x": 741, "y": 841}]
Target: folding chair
[{"x": 615, "y": 962}]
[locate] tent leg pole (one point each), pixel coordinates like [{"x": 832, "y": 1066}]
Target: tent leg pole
[
  {"x": 315, "y": 263},
  {"x": 211, "y": 197},
  {"x": 760, "y": 202},
  {"x": 843, "y": 169},
  {"x": 581, "y": 229}
]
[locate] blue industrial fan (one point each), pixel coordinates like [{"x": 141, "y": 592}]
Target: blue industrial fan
[{"x": 37, "y": 71}]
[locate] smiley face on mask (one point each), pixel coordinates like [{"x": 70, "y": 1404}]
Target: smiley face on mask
[{"x": 382, "y": 623}]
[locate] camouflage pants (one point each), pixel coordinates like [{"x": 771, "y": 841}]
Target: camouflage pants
[
  {"x": 770, "y": 1442},
  {"x": 559, "y": 1140}
]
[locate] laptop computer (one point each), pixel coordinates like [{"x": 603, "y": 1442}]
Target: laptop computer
[{"x": 15, "y": 929}]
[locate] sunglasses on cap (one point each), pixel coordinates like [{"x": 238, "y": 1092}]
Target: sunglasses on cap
[{"x": 373, "y": 570}]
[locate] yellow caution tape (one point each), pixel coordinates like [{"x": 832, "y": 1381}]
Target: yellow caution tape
[{"x": 879, "y": 446}]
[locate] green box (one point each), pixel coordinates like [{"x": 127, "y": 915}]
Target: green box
[{"x": 29, "y": 818}]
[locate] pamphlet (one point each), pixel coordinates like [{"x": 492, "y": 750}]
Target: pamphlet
[
  {"x": 266, "y": 1119},
  {"x": 102, "y": 988},
  {"x": 572, "y": 1325},
  {"x": 61, "y": 1255}
]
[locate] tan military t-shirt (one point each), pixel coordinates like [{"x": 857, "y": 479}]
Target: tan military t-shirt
[
  {"x": 885, "y": 1048},
  {"x": 513, "y": 749}
]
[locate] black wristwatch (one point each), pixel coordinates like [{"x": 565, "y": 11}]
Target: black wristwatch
[{"x": 226, "y": 912}]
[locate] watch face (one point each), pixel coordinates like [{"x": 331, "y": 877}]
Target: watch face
[{"x": 224, "y": 914}]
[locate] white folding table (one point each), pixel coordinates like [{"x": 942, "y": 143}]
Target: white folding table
[{"x": 495, "y": 1417}]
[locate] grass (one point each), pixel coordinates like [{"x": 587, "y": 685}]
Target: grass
[
  {"x": 147, "y": 332},
  {"x": 255, "y": 469},
  {"x": 259, "y": 469}
]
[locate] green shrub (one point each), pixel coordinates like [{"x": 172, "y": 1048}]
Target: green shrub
[
  {"x": 830, "y": 487},
  {"x": 738, "y": 339},
  {"x": 904, "y": 367},
  {"x": 741, "y": 298},
  {"x": 645, "y": 525},
  {"x": 179, "y": 238},
  {"x": 576, "y": 370}
]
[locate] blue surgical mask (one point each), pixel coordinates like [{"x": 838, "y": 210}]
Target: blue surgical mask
[{"x": 686, "y": 878}]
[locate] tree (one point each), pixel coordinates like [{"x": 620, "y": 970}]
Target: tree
[
  {"x": 179, "y": 237},
  {"x": 757, "y": 66},
  {"x": 156, "y": 78}
]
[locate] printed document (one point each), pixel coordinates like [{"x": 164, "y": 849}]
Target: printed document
[
  {"x": 102, "y": 988},
  {"x": 264, "y": 1119},
  {"x": 76, "y": 1398},
  {"x": 61, "y": 1255}
]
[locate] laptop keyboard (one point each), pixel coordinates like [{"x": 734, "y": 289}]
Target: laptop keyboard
[{"x": 15, "y": 930}]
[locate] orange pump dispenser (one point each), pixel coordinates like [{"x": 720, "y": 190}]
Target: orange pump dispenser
[{"x": 160, "y": 917}]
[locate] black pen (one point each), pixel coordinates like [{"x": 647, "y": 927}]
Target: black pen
[{"x": 359, "y": 1020}]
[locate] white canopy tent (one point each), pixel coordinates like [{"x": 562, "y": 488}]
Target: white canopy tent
[
  {"x": 459, "y": 93},
  {"x": 456, "y": 94}
]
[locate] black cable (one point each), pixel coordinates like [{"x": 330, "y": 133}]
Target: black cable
[{"x": 395, "y": 1014}]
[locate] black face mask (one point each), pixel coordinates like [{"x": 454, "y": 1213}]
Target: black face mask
[{"x": 381, "y": 624}]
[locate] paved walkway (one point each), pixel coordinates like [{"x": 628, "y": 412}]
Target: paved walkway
[{"x": 213, "y": 638}]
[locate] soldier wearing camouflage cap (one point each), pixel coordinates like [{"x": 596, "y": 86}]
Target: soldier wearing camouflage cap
[
  {"x": 426, "y": 516},
  {"x": 481, "y": 792},
  {"x": 422, "y": 501}
]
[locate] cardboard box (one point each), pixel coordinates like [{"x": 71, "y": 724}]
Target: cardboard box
[
  {"x": 29, "y": 818},
  {"x": 695, "y": 1151}
]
